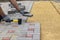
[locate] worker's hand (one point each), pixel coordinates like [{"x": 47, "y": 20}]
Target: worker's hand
[{"x": 6, "y": 18}]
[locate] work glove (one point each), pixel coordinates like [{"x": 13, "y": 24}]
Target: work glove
[
  {"x": 22, "y": 7},
  {"x": 6, "y": 18},
  {"x": 23, "y": 12}
]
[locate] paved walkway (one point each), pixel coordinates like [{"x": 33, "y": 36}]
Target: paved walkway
[{"x": 45, "y": 13}]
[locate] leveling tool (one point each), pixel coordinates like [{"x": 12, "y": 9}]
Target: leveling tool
[{"x": 19, "y": 21}]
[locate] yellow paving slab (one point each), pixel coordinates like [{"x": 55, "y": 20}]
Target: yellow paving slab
[{"x": 49, "y": 18}]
